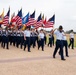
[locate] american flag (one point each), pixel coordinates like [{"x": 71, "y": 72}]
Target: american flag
[
  {"x": 39, "y": 22},
  {"x": 32, "y": 21},
  {"x": 18, "y": 18},
  {"x": 50, "y": 22},
  {"x": 6, "y": 18}
]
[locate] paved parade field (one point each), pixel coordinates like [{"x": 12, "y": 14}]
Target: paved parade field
[{"x": 15, "y": 61}]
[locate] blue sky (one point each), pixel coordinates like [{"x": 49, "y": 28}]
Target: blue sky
[{"x": 65, "y": 10}]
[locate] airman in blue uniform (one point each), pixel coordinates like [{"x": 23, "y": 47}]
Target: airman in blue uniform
[
  {"x": 27, "y": 34},
  {"x": 41, "y": 40},
  {"x": 59, "y": 42},
  {"x": 71, "y": 40}
]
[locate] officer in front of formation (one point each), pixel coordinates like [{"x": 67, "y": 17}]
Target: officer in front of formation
[
  {"x": 71, "y": 39},
  {"x": 27, "y": 34},
  {"x": 59, "y": 42},
  {"x": 41, "y": 40},
  {"x": 5, "y": 38}
]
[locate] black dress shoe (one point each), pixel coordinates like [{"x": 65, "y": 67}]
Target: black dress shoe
[
  {"x": 24, "y": 49},
  {"x": 29, "y": 51},
  {"x": 59, "y": 53},
  {"x": 68, "y": 47},
  {"x": 67, "y": 56},
  {"x": 63, "y": 59},
  {"x": 8, "y": 48},
  {"x": 53, "y": 56},
  {"x": 42, "y": 50},
  {"x": 38, "y": 48}
]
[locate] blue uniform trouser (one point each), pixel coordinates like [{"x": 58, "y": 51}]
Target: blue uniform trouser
[
  {"x": 72, "y": 43},
  {"x": 21, "y": 41},
  {"x": 45, "y": 39},
  {"x": 14, "y": 40},
  {"x": 0, "y": 38},
  {"x": 18, "y": 41},
  {"x": 36, "y": 40},
  {"x": 11, "y": 40},
  {"x": 33, "y": 41},
  {"x": 5, "y": 41},
  {"x": 50, "y": 42},
  {"x": 27, "y": 42},
  {"x": 53, "y": 40},
  {"x": 41, "y": 44},
  {"x": 65, "y": 44},
  {"x": 59, "y": 44}
]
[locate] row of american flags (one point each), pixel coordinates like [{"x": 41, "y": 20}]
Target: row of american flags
[{"x": 27, "y": 20}]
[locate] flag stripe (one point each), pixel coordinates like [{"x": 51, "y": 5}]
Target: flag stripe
[
  {"x": 39, "y": 24},
  {"x": 32, "y": 21},
  {"x": 6, "y": 20},
  {"x": 49, "y": 24}
]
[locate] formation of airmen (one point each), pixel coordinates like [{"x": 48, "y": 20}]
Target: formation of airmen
[
  {"x": 19, "y": 38},
  {"x": 34, "y": 38}
]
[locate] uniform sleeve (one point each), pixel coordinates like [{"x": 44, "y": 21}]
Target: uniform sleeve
[
  {"x": 39, "y": 35},
  {"x": 24, "y": 32},
  {"x": 56, "y": 32},
  {"x": 63, "y": 33}
]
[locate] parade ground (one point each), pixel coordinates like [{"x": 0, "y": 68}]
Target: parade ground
[{"x": 15, "y": 61}]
